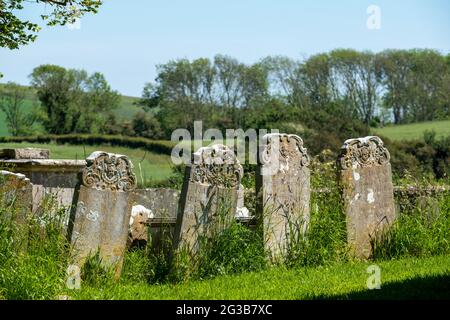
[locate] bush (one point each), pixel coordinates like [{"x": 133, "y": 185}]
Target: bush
[{"x": 145, "y": 125}]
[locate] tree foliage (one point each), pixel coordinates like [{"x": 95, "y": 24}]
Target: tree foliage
[
  {"x": 73, "y": 101},
  {"x": 15, "y": 32},
  {"x": 12, "y": 103}
]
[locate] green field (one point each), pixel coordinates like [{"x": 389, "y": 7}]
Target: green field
[
  {"x": 413, "y": 130},
  {"x": 148, "y": 166},
  {"x": 409, "y": 278},
  {"x": 125, "y": 111}
]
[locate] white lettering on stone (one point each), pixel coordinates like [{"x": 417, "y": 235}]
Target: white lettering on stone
[{"x": 370, "y": 197}]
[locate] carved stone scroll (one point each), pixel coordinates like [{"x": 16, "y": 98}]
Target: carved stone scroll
[
  {"x": 108, "y": 171},
  {"x": 366, "y": 179},
  {"x": 283, "y": 191}
]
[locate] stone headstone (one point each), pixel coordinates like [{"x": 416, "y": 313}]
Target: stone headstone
[
  {"x": 208, "y": 197},
  {"x": 366, "y": 180},
  {"x": 24, "y": 153},
  {"x": 16, "y": 192},
  {"x": 283, "y": 191},
  {"x": 50, "y": 178},
  {"x": 103, "y": 209}
]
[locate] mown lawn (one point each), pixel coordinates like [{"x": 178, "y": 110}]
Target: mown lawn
[
  {"x": 409, "y": 278},
  {"x": 148, "y": 166},
  {"x": 414, "y": 130}
]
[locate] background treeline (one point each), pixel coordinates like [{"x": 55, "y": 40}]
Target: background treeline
[
  {"x": 325, "y": 98},
  {"x": 343, "y": 90}
]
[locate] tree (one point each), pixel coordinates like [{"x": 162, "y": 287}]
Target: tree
[
  {"x": 416, "y": 84},
  {"x": 12, "y": 103},
  {"x": 73, "y": 101},
  {"x": 15, "y": 32},
  {"x": 356, "y": 77},
  {"x": 146, "y": 125},
  {"x": 395, "y": 68},
  {"x": 228, "y": 71},
  {"x": 285, "y": 79}
]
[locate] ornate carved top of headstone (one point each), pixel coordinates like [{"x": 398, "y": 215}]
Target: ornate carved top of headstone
[
  {"x": 284, "y": 149},
  {"x": 363, "y": 152},
  {"x": 108, "y": 171},
  {"x": 216, "y": 165}
]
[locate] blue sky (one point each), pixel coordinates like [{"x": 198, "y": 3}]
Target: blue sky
[{"x": 127, "y": 38}]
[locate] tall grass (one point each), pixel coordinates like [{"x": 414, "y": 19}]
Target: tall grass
[
  {"x": 424, "y": 231},
  {"x": 33, "y": 253}
]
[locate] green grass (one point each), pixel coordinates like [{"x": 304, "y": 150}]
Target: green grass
[
  {"x": 125, "y": 110},
  {"x": 154, "y": 167},
  {"x": 414, "y": 130},
  {"x": 400, "y": 279}
]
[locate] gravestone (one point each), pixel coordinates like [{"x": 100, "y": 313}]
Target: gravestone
[
  {"x": 24, "y": 153},
  {"x": 16, "y": 192},
  {"x": 208, "y": 198},
  {"x": 366, "y": 180},
  {"x": 282, "y": 191},
  {"x": 51, "y": 179},
  {"x": 100, "y": 221}
]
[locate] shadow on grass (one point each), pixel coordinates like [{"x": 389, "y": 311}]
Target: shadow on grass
[{"x": 432, "y": 287}]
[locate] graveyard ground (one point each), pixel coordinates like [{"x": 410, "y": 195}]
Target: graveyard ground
[{"x": 407, "y": 278}]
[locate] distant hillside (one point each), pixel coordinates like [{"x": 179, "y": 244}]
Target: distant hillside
[
  {"x": 126, "y": 108},
  {"x": 413, "y": 130}
]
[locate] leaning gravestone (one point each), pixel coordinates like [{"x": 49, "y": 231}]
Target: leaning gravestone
[
  {"x": 366, "y": 179},
  {"x": 103, "y": 209},
  {"x": 208, "y": 197},
  {"x": 283, "y": 191}
]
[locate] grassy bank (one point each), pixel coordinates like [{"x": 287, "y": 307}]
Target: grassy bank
[{"x": 413, "y": 130}]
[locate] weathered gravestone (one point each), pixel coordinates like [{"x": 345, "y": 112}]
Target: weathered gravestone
[
  {"x": 366, "y": 179},
  {"x": 53, "y": 181},
  {"x": 208, "y": 198},
  {"x": 282, "y": 191},
  {"x": 16, "y": 193},
  {"x": 103, "y": 208},
  {"x": 24, "y": 153}
]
